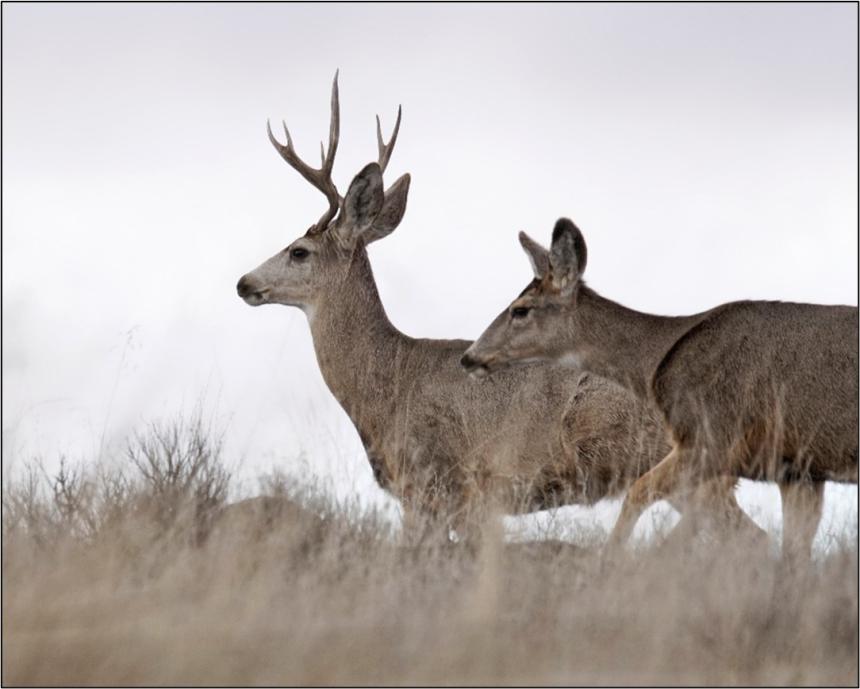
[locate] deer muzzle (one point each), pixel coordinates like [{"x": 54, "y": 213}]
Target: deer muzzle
[
  {"x": 250, "y": 291},
  {"x": 474, "y": 367}
]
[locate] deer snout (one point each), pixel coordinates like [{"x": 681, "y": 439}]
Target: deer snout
[
  {"x": 250, "y": 291},
  {"x": 473, "y": 366}
]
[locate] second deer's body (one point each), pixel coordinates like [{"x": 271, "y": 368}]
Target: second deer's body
[{"x": 754, "y": 389}]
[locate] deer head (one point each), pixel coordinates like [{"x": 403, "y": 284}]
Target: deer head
[
  {"x": 317, "y": 262},
  {"x": 537, "y": 324}
]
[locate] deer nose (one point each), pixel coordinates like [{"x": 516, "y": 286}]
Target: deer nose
[
  {"x": 474, "y": 367},
  {"x": 468, "y": 362},
  {"x": 243, "y": 287}
]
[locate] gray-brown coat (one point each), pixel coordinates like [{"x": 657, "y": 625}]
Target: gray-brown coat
[
  {"x": 759, "y": 390},
  {"x": 444, "y": 446}
]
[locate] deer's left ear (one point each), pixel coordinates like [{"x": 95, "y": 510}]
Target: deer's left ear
[
  {"x": 393, "y": 208},
  {"x": 363, "y": 201},
  {"x": 538, "y": 256},
  {"x": 567, "y": 256}
]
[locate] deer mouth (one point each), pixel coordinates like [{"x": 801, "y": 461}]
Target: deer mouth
[
  {"x": 479, "y": 372},
  {"x": 252, "y": 294},
  {"x": 256, "y": 298}
]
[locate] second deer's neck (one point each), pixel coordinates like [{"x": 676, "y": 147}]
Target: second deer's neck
[{"x": 622, "y": 344}]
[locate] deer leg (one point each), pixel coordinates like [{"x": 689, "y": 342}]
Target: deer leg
[
  {"x": 422, "y": 526},
  {"x": 713, "y": 504},
  {"x": 411, "y": 526},
  {"x": 661, "y": 482},
  {"x": 802, "y": 502},
  {"x": 686, "y": 526},
  {"x": 716, "y": 499}
]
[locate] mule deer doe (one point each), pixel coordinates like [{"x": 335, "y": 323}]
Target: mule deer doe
[
  {"x": 755, "y": 389},
  {"x": 435, "y": 441}
]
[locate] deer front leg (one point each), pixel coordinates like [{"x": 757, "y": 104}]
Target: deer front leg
[
  {"x": 661, "y": 482},
  {"x": 423, "y": 523},
  {"x": 421, "y": 529},
  {"x": 802, "y": 502}
]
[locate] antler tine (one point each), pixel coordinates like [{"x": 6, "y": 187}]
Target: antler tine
[
  {"x": 334, "y": 126},
  {"x": 385, "y": 150},
  {"x": 321, "y": 178}
]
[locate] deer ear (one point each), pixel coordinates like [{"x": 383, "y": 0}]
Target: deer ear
[
  {"x": 567, "y": 256},
  {"x": 363, "y": 200},
  {"x": 538, "y": 256},
  {"x": 393, "y": 208}
]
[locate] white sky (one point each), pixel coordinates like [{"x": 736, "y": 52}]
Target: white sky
[{"x": 708, "y": 152}]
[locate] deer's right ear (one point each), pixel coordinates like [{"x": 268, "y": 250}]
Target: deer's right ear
[
  {"x": 392, "y": 211},
  {"x": 567, "y": 256},
  {"x": 363, "y": 201},
  {"x": 538, "y": 256}
]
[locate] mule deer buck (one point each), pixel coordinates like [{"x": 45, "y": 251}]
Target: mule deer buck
[
  {"x": 755, "y": 389},
  {"x": 439, "y": 444}
]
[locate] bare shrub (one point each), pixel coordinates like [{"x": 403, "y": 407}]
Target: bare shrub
[
  {"x": 49, "y": 505},
  {"x": 73, "y": 493},
  {"x": 183, "y": 478},
  {"x": 25, "y": 505}
]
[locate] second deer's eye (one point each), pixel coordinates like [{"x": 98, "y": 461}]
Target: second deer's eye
[
  {"x": 299, "y": 253},
  {"x": 520, "y": 311}
]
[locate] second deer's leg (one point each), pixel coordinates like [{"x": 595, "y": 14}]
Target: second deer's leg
[
  {"x": 802, "y": 502},
  {"x": 714, "y": 503},
  {"x": 717, "y": 497},
  {"x": 661, "y": 482}
]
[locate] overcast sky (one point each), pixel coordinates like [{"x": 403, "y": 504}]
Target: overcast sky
[{"x": 708, "y": 152}]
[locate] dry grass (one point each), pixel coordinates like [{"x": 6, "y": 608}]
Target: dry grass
[{"x": 146, "y": 577}]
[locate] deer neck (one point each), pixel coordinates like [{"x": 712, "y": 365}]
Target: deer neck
[
  {"x": 622, "y": 344},
  {"x": 358, "y": 350}
]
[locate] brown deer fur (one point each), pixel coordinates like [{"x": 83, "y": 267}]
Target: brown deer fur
[
  {"x": 444, "y": 446},
  {"x": 754, "y": 389}
]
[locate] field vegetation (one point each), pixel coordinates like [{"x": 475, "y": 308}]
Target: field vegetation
[{"x": 141, "y": 572}]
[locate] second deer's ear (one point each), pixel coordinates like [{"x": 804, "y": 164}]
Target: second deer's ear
[
  {"x": 538, "y": 256},
  {"x": 567, "y": 256},
  {"x": 363, "y": 200},
  {"x": 393, "y": 208}
]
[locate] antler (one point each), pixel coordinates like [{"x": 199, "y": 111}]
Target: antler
[
  {"x": 385, "y": 150},
  {"x": 321, "y": 178}
]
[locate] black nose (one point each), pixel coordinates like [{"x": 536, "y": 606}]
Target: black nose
[
  {"x": 243, "y": 287},
  {"x": 468, "y": 362}
]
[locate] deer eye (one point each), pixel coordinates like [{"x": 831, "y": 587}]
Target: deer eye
[
  {"x": 520, "y": 311},
  {"x": 299, "y": 253}
]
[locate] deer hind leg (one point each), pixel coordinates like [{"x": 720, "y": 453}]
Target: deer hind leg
[
  {"x": 717, "y": 496},
  {"x": 802, "y": 502},
  {"x": 660, "y": 483},
  {"x": 715, "y": 501}
]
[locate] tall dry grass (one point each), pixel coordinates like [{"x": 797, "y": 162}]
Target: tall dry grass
[{"x": 145, "y": 575}]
